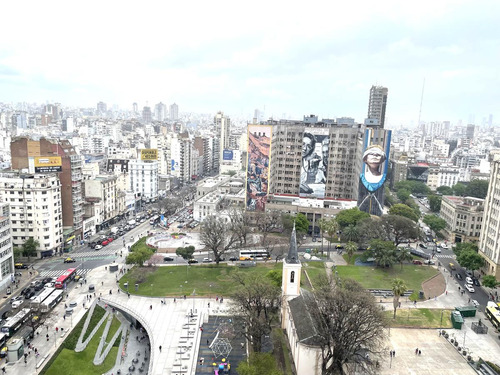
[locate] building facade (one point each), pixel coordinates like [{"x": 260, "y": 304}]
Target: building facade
[
  {"x": 6, "y": 250},
  {"x": 463, "y": 216},
  {"x": 36, "y": 210},
  {"x": 377, "y": 104},
  {"x": 143, "y": 177}
]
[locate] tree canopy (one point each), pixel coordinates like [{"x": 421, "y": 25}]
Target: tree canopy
[
  {"x": 29, "y": 247},
  {"x": 414, "y": 187},
  {"x": 434, "y": 203},
  {"x": 445, "y": 190},
  {"x": 459, "y": 189},
  {"x": 139, "y": 256},
  {"x": 301, "y": 223},
  {"x": 350, "y": 326},
  {"x": 490, "y": 281},
  {"x": 350, "y": 217},
  {"x": 217, "y": 236},
  {"x": 470, "y": 260},
  {"x": 436, "y": 224},
  {"x": 259, "y": 364},
  {"x": 403, "y": 210},
  {"x": 185, "y": 252},
  {"x": 464, "y": 246},
  {"x": 477, "y": 188}
]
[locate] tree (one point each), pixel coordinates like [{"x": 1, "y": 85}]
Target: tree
[
  {"x": 169, "y": 205},
  {"x": 276, "y": 277},
  {"x": 349, "y": 326},
  {"x": 331, "y": 228},
  {"x": 470, "y": 260},
  {"x": 490, "y": 281},
  {"x": 217, "y": 236},
  {"x": 414, "y": 187},
  {"x": 154, "y": 260},
  {"x": 350, "y": 233},
  {"x": 445, "y": 190},
  {"x": 259, "y": 364},
  {"x": 287, "y": 221},
  {"x": 403, "y": 195},
  {"x": 436, "y": 224},
  {"x": 398, "y": 288},
  {"x": 389, "y": 197},
  {"x": 350, "y": 217},
  {"x": 434, "y": 203},
  {"x": 399, "y": 229},
  {"x": 384, "y": 252},
  {"x": 403, "y": 210},
  {"x": 350, "y": 249},
  {"x": 477, "y": 188},
  {"x": 464, "y": 246},
  {"x": 29, "y": 247},
  {"x": 185, "y": 252},
  {"x": 277, "y": 247},
  {"x": 139, "y": 256},
  {"x": 240, "y": 224},
  {"x": 18, "y": 252},
  {"x": 459, "y": 189},
  {"x": 301, "y": 224},
  {"x": 403, "y": 255},
  {"x": 268, "y": 221},
  {"x": 257, "y": 301},
  {"x": 415, "y": 207}
]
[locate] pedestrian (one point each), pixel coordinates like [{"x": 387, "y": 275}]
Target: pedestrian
[
  {"x": 102, "y": 283},
  {"x": 416, "y": 351},
  {"x": 415, "y": 303},
  {"x": 160, "y": 348},
  {"x": 446, "y": 292},
  {"x": 47, "y": 337},
  {"x": 393, "y": 353},
  {"x": 174, "y": 299},
  {"x": 208, "y": 342},
  {"x": 459, "y": 289},
  {"x": 3, "y": 370},
  {"x": 216, "y": 298},
  {"x": 419, "y": 352},
  {"x": 110, "y": 292},
  {"x": 57, "y": 329},
  {"x": 151, "y": 307},
  {"x": 128, "y": 294},
  {"x": 390, "y": 353},
  {"x": 399, "y": 305},
  {"x": 209, "y": 305},
  {"x": 469, "y": 300}
]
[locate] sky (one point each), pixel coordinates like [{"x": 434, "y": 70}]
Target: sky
[{"x": 286, "y": 58}]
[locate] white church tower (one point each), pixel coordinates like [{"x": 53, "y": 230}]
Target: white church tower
[{"x": 290, "y": 284}]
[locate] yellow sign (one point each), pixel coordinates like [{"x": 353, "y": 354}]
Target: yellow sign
[
  {"x": 48, "y": 161},
  {"x": 149, "y": 154}
]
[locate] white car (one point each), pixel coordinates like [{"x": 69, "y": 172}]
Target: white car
[
  {"x": 468, "y": 280},
  {"x": 17, "y": 303},
  {"x": 444, "y": 246},
  {"x": 98, "y": 247},
  {"x": 438, "y": 250},
  {"x": 475, "y": 303},
  {"x": 469, "y": 288}
]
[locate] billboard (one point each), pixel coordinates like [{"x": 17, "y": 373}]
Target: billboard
[
  {"x": 33, "y": 148},
  {"x": 149, "y": 154},
  {"x": 227, "y": 154},
  {"x": 315, "y": 147},
  {"x": 259, "y": 153},
  {"x": 46, "y": 164},
  {"x": 377, "y": 143}
]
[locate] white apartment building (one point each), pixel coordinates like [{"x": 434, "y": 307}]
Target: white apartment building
[
  {"x": 36, "y": 210},
  {"x": 6, "y": 253},
  {"x": 180, "y": 153},
  {"x": 101, "y": 191},
  {"x": 442, "y": 176},
  {"x": 463, "y": 216},
  {"x": 143, "y": 177},
  {"x": 489, "y": 242}
]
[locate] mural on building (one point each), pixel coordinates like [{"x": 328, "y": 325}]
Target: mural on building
[
  {"x": 259, "y": 152},
  {"x": 315, "y": 146},
  {"x": 377, "y": 143}
]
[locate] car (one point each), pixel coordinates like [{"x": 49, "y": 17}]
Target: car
[
  {"x": 180, "y": 226},
  {"x": 98, "y": 247},
  {"x": 423, "y": 246},
  {"x": 475, "y": 303},
  {"x": 17, "y": 303},
  {"x": 444, "y": 246},
  {"x": 207, "y": 260},
  {"x": 417, "y": 262},
  {"x": 469, "y": 273},
  {"x": 47, "y": 280},
  {"x": 110, "y": 239},
  {"x": 69, "y": 260},
  {"x": 49, "y": 285},
  {"x": 39, "y": 287},
  {"x": 168, "y": 259},
  {"x": 438, "y": 249},
  {"x": 469, "y": 288},
  {"x": 233, "y": 259},
  {"x": 339, "y": 247},
  {"x": 458, "y": 276},
  {"x": 77, "y": 277},
  {"x": 431, "y": 262},
  {"x": 17, "y": 298},
  {"x": 191, "y": 261},
  {"x": 476, "y": 282},
  {"x": 20, "y": 266},
  {"x": 104, "y": 243},
  {"x": 468, "y": 280}
]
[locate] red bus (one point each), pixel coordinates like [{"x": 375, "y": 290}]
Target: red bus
[{"x": 66, "y": 277}]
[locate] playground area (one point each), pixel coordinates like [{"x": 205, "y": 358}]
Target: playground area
[{"x": 166, "y": 242}]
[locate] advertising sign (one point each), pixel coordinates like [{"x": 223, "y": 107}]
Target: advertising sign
[
  {"x": 149, "y": 154},
  {"x": 33, "y": 148},
  {"x": 259, "y": 153},
  {"x": 315, "y": 147},
  {"x": 227, "y": 155},
  {"x": 46, "y": 164},
  {"x": 374, "y": 170}
]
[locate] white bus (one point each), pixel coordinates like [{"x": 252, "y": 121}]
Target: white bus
[
  {"x": 52, "y": 301},
  {"x": 260, "y": 254},
  {"x": 16, "y": 322},
  {"x": 38, "y": 300}
]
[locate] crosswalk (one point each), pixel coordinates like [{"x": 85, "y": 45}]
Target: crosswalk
[
  {"x": 57, "y": 273},
  {"x": 446, "y": 256}
]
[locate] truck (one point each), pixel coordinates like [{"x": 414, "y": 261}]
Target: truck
[
  {"x": 114, "y": 230},
  {"x": 132, "y": 223}
]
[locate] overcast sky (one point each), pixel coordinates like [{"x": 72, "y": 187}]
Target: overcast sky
[{"x": 288, "y": 57}]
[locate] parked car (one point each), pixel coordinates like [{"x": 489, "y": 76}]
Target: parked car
[
  {"x": 207, "y": 260},
  {"x": 423, "y": 246},
  {"x": 417, "y": 262},
  {"x": 469, "y": 288},
  {"x": 104, "y": 243},
  {"x": 17, "y": 303},
  {"x": 69, "y": 260},
  {"x": 468, "y": 280},
  {"x": 168, "y": 259},
  {"x": 475, "y": 303},
  {"x": 476, "y": 282},
  {"x": 20, "y": 266},
  {"x": 110, "y": 239},
  {"x": 98, "y": 247},
  {"x": 458, "y": 276},
  {"x": 191, "y": 261},
  {"x": 428, "y": 261},
  {"x": 233, "y": 259}
]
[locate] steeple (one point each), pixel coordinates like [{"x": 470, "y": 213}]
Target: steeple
[{"x": 293, "y": 255}]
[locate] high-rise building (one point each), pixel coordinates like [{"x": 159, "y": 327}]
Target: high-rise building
[
  {"x": 36, "y": 209},
  {"x": 102, "y": 108},
  {"x": 144, "y": 178},
  {"x": 377, "y": 104},
  {"x": 489, "y": 241},
  {"x": 174, "y": 112},
  {"x": 6, "y": 253},
  {"x": 146, "y": 115},
  {"x": 24, "y": 151},
  {"x": 223, "y": 127},
  {"x": 135, "y": 107},
  {"x": 160, "y": 112}
]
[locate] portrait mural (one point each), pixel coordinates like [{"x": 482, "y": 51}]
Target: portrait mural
[
  {"x": 314, "y": 167},
  {"x": 259, "y": 152},
  {"x": 377, "y": 143}
]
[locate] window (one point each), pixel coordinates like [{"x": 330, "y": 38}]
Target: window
[{"x": 292, "y": 276}]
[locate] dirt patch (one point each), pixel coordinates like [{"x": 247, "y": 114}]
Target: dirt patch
[{"x": 435, "y": 286}]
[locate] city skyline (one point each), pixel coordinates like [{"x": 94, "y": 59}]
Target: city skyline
[{"x": 285, "y": 61}]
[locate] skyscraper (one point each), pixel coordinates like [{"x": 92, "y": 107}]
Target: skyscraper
[
  {"x": 102, "y": 108},
  {"x": 160, "y": 112},
  {"x": 222, "y": 126},
  {"x": 146, "y": 115},
  {"x": 135, "y": 108},
  {"x": 174, "y": 112},
  {"x": 377, "y": 104}
]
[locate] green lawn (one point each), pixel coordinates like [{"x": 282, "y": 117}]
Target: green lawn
[
  {"x": 70, "y": 362},
  {"x": 315, "y": 270},
  {"x": 420, "y": 318},
  {"x": 172, "y": 281},
  {"x": 380, "y": 278}
]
